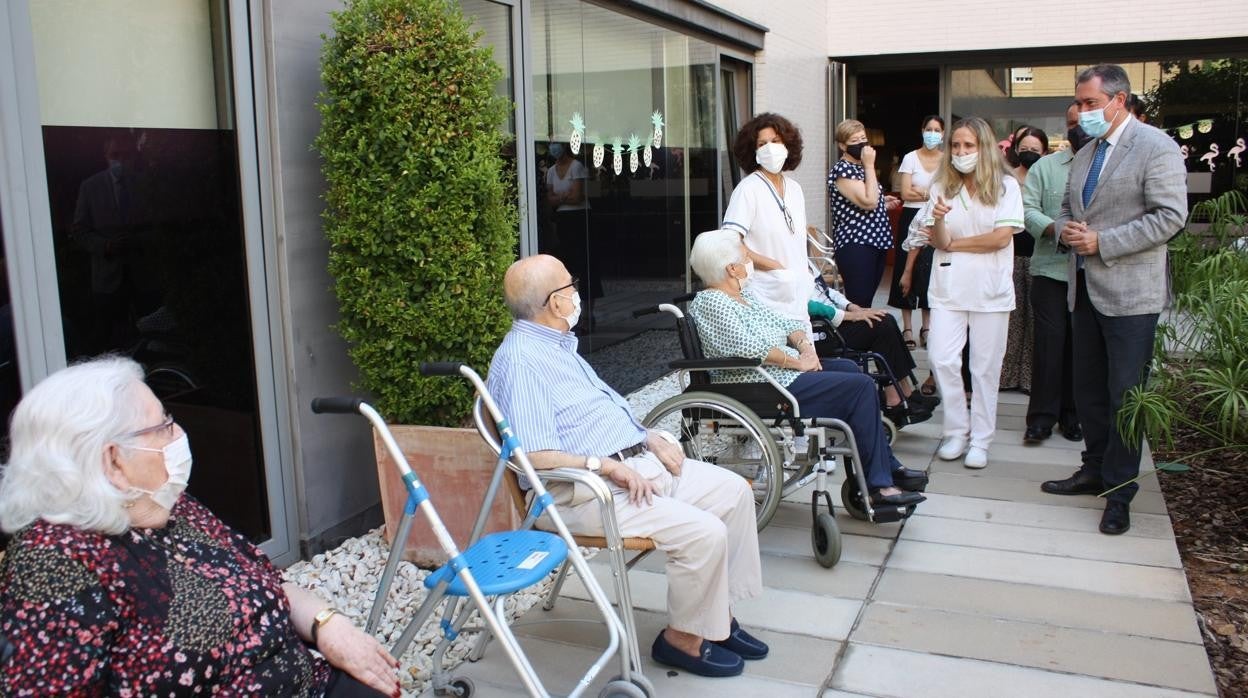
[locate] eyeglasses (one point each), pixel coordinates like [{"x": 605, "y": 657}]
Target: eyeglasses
[
  {"x": 165, "y": 428},
  {"x": 572, "y": 285}
]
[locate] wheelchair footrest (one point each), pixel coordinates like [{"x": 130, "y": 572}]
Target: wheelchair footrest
[
  {"x": 890, "y": 514},
  {"x": 503, "y": 563}
]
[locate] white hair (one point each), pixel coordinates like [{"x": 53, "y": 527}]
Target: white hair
[
  {"x": 59, "y": 434},
  {"x": 712, "y": 252}
]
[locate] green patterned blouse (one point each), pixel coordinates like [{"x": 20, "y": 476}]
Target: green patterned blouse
[{"x": 749, "y": 330}]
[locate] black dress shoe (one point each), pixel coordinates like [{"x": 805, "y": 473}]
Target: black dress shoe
[
  {"x": 1117, "y": 518},
  {"x": 1035, "y": 434},
  {"x": 1073, "y": 433},
  {"x": 928, "y": 401},
  {"x": 901, "y": 499},
  {"x": 1079, "y": 483},
  {"x": 910, "y": 480},
  {"x": 910, "y": 413}
]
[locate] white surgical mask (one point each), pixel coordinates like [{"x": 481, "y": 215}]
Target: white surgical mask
[
  {"x": 772, "y": 156},
  {"x": 749, "y": 272},
  {"x": 965, "y": 163},
  {"x": 575, "y": 316},
  {"x": 177, "y": 455}
]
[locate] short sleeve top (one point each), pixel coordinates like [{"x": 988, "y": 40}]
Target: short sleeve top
[
  {"x": 186, "y": 609},
  {"x": 727, "y": 328},
  {"x": 975, "y": 281},
  {"x": 919, "y": 177},
  {"x": 758, "y": 212},
  {"x": 851, "y": 224},
  {"x": 561, "y": 185}
]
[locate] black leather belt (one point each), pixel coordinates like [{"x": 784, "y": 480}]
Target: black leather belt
[{"x": 631, "y": 451}]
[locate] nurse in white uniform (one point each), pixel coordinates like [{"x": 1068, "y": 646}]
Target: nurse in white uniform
[
  {"x": 769, "y": 211},
  {"x": 972, "y": 213}
]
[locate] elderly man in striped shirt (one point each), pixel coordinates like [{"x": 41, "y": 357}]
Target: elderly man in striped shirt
[{"x": 700, "y": 515}]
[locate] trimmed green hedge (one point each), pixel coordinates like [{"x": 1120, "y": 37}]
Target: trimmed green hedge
[{"x": 420, "y": 214}]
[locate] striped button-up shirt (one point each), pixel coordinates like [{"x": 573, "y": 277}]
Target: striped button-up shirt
[{"x": 552, "y": 397}]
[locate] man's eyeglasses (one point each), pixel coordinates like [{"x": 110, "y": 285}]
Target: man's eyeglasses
[
  {"x": 165, "y": 428},
  {"x": 572, "y": 285}
]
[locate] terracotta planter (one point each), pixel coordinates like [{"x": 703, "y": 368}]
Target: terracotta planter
[{"x": 455, "y": 466}]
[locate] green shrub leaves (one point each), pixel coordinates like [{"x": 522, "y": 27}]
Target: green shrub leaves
[{"x": 420, "y": 214}]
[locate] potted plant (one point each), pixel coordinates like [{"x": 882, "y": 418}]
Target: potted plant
[{"x": 421, "y": 222}]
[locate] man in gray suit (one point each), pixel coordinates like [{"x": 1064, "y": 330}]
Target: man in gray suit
[{"x": 1125, "y": 199}]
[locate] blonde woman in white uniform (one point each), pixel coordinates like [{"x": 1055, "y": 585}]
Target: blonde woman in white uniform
[
  {"x": 972, "y": 213},
  {"x": 769, "y": 211}
]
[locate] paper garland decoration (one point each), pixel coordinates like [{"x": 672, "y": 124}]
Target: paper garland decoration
[{"x": 637, "y": 149}]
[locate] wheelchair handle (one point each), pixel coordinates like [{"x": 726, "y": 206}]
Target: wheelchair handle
[
  {"x": 440, "y": 368},
  {"x": 336, "y": 405}
]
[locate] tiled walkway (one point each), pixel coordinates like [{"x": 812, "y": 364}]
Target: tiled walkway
[{"x": 993, "y": 589}]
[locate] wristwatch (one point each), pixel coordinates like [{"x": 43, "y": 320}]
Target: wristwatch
[
  {"x": 321, "y": 618},
  {"x": 593, "y": 464}
]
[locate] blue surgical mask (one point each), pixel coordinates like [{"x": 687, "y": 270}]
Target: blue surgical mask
[
  {"x": 932, "y": 139},
  {"x": 1094, "y": 123}
]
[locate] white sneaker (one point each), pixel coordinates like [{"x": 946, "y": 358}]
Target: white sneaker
[
  {"x": 952, "y": 448},
  {"x": 976, "y": 458}
]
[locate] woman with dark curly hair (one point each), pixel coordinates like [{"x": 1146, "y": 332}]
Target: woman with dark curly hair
[{"x": 768, "y": 210}]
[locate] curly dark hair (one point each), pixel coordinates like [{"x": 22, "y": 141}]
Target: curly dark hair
[{"x": 746, "y": 142}]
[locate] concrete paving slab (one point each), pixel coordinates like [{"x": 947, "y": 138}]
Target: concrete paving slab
[
  {"x": 796, "y": 514},
  {"x": 776, "y": 609},
  {"x": 1015, "y": 490},
  {"x": 867, "y": 550},
  {"x": 1045, "y": 570},
  {"x": 1071, "y": 608},
  {"x": 848, "y": 580},
  {"x": 1149, "y": 661},
  {"x": 893, "y": 673},
  {"x": 1088, "y": 545},
  {"x": 1053, "y": 515},
  {"x": 793, "y": 658}
]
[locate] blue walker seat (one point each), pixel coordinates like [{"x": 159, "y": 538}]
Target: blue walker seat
[{"x": 506, "y": 562}]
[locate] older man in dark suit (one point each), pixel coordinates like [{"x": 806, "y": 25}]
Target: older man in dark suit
[{"x": 1125, "y": 199}]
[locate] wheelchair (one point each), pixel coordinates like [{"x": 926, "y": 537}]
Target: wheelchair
[{"x": 757, "y": 431}]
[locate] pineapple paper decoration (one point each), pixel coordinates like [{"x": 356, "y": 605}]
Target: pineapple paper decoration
[
  {"x": 634, "y": 145},
  {"x": 647, "y": 155},
  {"x": 578, "y": 133},
  {"x": 600, "y": 150},
  {"x": 617, "y": 156},
  {"x": 657, "y": 120}
]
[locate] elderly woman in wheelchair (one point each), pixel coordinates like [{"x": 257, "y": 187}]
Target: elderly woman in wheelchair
[{"x": 731, "y": 322}]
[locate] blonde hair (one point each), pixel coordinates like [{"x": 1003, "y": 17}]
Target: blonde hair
[
  {"x": 989, "y": 174},
  {"x": 846, "y": 129}
]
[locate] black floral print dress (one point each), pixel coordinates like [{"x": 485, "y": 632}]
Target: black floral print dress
[{"x": 189, "y": 609}]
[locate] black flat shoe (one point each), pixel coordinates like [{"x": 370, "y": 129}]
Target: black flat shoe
[
  {"x": 928, "y": 401},
  {"x": 1117, "y": 518},
  {"x": 901, "y": 499},
  {"x": 743, "y": 644},
  {"x": 712, "y": 660},
  {"x": 1079, "y": 483},
  {"x": 902, "y": 414},
  {"x": 910, "y": 480},
  {"x": 1073, "y": 433},
  {"x": 1035, "y": 434}
]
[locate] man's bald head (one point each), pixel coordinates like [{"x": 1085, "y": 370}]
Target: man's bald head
[{"x": 528, "y": 281}]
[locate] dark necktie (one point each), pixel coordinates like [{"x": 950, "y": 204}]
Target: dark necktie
[{"x": 1094, "y": 173}]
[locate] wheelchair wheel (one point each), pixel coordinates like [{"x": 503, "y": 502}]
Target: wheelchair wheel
[
  {"x": 851, "y": 498},
  {"x": 825, "y": 539},
  {"x": 890, "y": 430},
  {"x": 720, "y": 430}
]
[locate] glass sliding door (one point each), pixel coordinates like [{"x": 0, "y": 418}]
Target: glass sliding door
[
  {"x": 626, "y": 167},
  {"x": 140, "y": 148}
]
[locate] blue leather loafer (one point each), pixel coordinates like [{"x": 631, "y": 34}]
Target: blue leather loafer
[
  {"x": 712, "y": 660},
  {"x": 743, "y": 644}
]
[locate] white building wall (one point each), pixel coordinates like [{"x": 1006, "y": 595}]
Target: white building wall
[
  {"x": 974, "y": 25},
  {"x": 790, "y": 78}
]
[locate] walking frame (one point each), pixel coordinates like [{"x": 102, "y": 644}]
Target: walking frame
[{"x": 494, "y": 565}]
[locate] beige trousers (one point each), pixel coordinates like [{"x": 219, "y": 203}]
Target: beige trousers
[{"x": 704, "y": 522}]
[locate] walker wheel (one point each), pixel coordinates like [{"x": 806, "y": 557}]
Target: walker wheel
[
  {"x": 462, "y": 687},
  {"x": 619, "y": 688},
  {"x": 852, "y": 498},
  {"x": 825, "y": 538}
]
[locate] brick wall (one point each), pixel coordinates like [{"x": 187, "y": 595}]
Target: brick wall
[
  {"x": 790, "y": 78},
  {"x": 973, "y": 25}
]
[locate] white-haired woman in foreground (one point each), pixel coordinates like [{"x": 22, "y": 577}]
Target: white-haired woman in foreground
[
  {"x": 732, "y": 322},
  {"x": 118, "y": 583}
]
